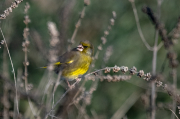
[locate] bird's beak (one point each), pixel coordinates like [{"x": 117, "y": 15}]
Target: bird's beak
[{"x": 80, "y": 48}]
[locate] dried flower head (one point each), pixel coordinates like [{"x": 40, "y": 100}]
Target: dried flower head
[
  {"x": 100, "y": 47},
  {"x": 114, "y": 14},
  {"x": 9, "y": 9},
  {"x": 107, "y": 70},
  {"x": 108, "y": 53},
  {"x": 53, "y": 29},
  {"x": 116, "y": 68},
  {"x": 147, "y": 77},
  {"x": 54, "y": 41},
  {"x": 115, "y": 78},
  {"x": 26, "y": 63},
  {"x": 86, "y": 2},
  {"x": 95, "y": 73},
  {"x": 106, "y": 32},
  {"x": 27, "y": 6},
  {"x": 2, "y": 42},
  {"x": 171, "y": 55},
  {"x": 109, "y": 28},
  {"x": 104, "y": 40},
  {"x": 174, "y": 63},
  {"x": 109, "y": 78},
  {"x": 141, "y": 73},
  {"x": 112, "y": 21},
  {"x": 30, "y": 87},
  {"x": 158, "y": 83},
  {"x": 133, "y": 70},
  {"x": 178, "y": 108},
  {"x": 26, "y": 33},
  {"x": 124, "y": 69},
  {"x": 27, "y": 20}
]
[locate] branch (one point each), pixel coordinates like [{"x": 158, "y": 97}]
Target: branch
[
  {"x": 9, "y": 9},
  {"x": 78, "y": 24},
  {"x": 159, "y": 26},
  {"x": 12, "y": 69},
  {"x": 139, "y": 26}
]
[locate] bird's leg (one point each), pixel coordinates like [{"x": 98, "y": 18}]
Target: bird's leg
[
  {"x": 73, "y": 85},
  {"x": 68, "y": 83},
  {"x": 78, "y": 79}
]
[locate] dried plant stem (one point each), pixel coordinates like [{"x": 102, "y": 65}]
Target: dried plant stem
[
  {"x": 120, "y": 113},
  {"x": 139, "y": 26},
  {"x": 154, "y": 61},
  {"x": 174, "y": 113},
  {"x": 153, "y": 87},
  {"x": 174, "y": 72},
  {"x": 57, "y": 102},
  {"x": 5, "y": 101},
  {"x": 78, "y": 24},
  {"x": 168, "y": 43},
  {"x": 79, "y": 90},
  {"x": 26, "y": 62},
  {"x": 26, "y": 84},
  {"x": 107, "y": 69},
  {"x": 12, "y": 71},
  {"x": 155, "y": 49},
  {"x": 9, "y": 9},
  {"x": 5, "y": 98},
  {"x": 54, "y": 90},
  {"x": 55, "y": 87},
  {"x": 82, "y": 112}
]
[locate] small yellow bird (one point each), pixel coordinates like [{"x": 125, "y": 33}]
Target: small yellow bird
[{"x": 76, "y": 62}]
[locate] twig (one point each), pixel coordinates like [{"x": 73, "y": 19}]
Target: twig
[
  {"x": 56, "y": 85},
  {"x": 154, "y": 61},
  {"x": 103, "y": 38},
  {"x": 58, "y": 101},
  {"x": 78, "y": 24},
  {"x": 9, "y": 9},
  {"x": 21, "y": 93},
  {"x": 5, "y": 98},
  {"x": 139, "y": 26},
  {"x": 153, "y": 88},
  {"x": 168, "y": 41},
  {"x": 12, "y": 70},
  {"x": 126, "y": 105},
  {"x": 107, "y": 69},
  {"x": 174, "y": 75},
  {"x": 174, "y": 113},
  {"x": 25, "y": 49},
  {"x": 159, "y": 26}
]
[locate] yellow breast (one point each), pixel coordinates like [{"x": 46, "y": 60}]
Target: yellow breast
[{"x": 79, "y": 68}]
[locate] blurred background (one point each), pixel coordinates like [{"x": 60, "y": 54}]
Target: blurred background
[{"x": 124, "y": 99}]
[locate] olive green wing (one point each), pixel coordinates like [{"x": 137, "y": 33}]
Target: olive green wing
[{"x": 65, "y": 59}]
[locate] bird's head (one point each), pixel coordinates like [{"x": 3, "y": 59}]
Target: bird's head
[{"x": 85, "y": 47}]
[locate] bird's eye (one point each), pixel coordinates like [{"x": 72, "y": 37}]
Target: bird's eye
[{"x": 85, "y": 46}]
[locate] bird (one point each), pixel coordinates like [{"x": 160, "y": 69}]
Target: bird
[{"x": 74, "y": 63}]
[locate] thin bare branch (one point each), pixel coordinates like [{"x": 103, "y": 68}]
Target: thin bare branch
[
  {"x": 56, "y": 85},
  {"x": 78, "y": 24},
  {"x": 174, "y": 113},
  {"x": 12, "y": 70},
  {"x": 139, "y": 26},
  {"x": 120, "y": 113}
]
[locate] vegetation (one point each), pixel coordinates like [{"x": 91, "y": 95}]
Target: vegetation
[{"x": 134, "y": 74}]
